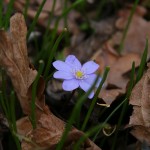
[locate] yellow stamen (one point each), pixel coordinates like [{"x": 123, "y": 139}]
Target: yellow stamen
[{"x": 79, "y": 74}]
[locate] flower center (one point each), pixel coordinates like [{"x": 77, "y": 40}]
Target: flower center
[{"x": 79, "y": 74}]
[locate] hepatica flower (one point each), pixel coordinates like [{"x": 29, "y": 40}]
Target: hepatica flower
[{"x": 76, "y": 75}]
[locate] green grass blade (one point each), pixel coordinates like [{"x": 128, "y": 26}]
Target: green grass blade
[
  {"x": 8, "y": 13},
  {"x": 143, "y": 62},
  {"x": 52, "y": 53},
  {"x": 12, "y": 110},
  {"x": 16, "y": 141},
  {"x": 85, "y": 136},
  {"x": 95, "y": 99},
  {"x": 73, "y": 116},
  {"x": 34, "y": 89},
  {"x": 46, "y": 48},
  {"x": 45, "y": 52},
  {"x": 127, "y": 26},
  {"x": 107, "y": 119},
  {"x": 131, "y": 83},
  {"x": 5, "y": 99},
  {"x": 129, "y": 90},
  {"x": 96, "y": 129},
  {"x": 35, "y": 19},
  {"x": 100, "y": 7},
  {"x": 125, "y": 106},
  {"x": 49, "y": 21},
  {"x": 13, "y": 120},
  {"x": 76, "y": 3},
  {"x": 1, "y": 14},
  {"x": 49, "y": 77},
  {"x": 26, "y": 8},
  {"x": 3, "y": 104},
  {"x": 65, "y": 21}
]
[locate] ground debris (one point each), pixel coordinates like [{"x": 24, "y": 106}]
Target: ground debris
[{"x": 49, "y": 128}]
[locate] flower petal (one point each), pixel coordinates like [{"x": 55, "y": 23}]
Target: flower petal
[
  {"x": 90, "y": 67},
  {"x": 98, "y": 82},
  {"x": 69, "y": 85},
  {"x": 91, "y": 78},
  {"x": 72, "y": 61},
  {"x": 91, "y": 95},
  {"x": 85, "y": 86},
  {"x": 62, "y": 66},
  {"x": 63, "y": 75}
]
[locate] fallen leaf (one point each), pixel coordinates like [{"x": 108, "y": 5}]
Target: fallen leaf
[
  {"x": 117, "y": 79},
  {"x": 142, "y": 134},
  {"x": 137, "y": 33},
  {"x": 84, "y": 47},
  {"x": 106, "y": 56},
  {"x": 119, "y": 68},
  {"x": 140, "y": 120},
  {"x": 46, "y": 10},
  {"x": 59, "y": 4},
  {"x": 13, "y": 57},
  {"x": 110, "y": 95}
]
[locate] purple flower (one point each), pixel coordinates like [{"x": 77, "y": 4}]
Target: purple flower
[{"x": 76, "y": 75}]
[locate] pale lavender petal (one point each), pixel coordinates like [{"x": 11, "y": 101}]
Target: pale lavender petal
[
  {"x": 90, "y": 67},
  {"x": 69, "y": 85},
  {"x": 63, "y": 75},
  {"x": 91, "y": 95},
  {"x": 98, "y": 82},
  {"x": 62, "y": 66},
  {"x": 85, "y": 86},
  {"x": 91, "y": 78},
  {"x": 72, "y": 61}
]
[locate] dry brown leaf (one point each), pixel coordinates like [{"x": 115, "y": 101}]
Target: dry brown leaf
[
  {"x": 110, "y": 95},
  {"x": 31, "y": 12},
  {"x": 13, "y": 57},
  {"x": 74, "y": 136},
  {"x": 48, "y": 134},
  {"x": 49, "y": 4},
  {"x": 137, "y": 33},
  {"x": 140, "y": 118},
  {"x": 44, "y": 15},
  {"x": 123, "y": 65},
  {"x": 117, "y": 79},
  {"x": 84, "y": 47},
  {"x": 142, "y": 134},
  {"x": 133, "y": 48},
  {"x": 105, "y": 56},
  {"x": 24, "y": 126}
]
